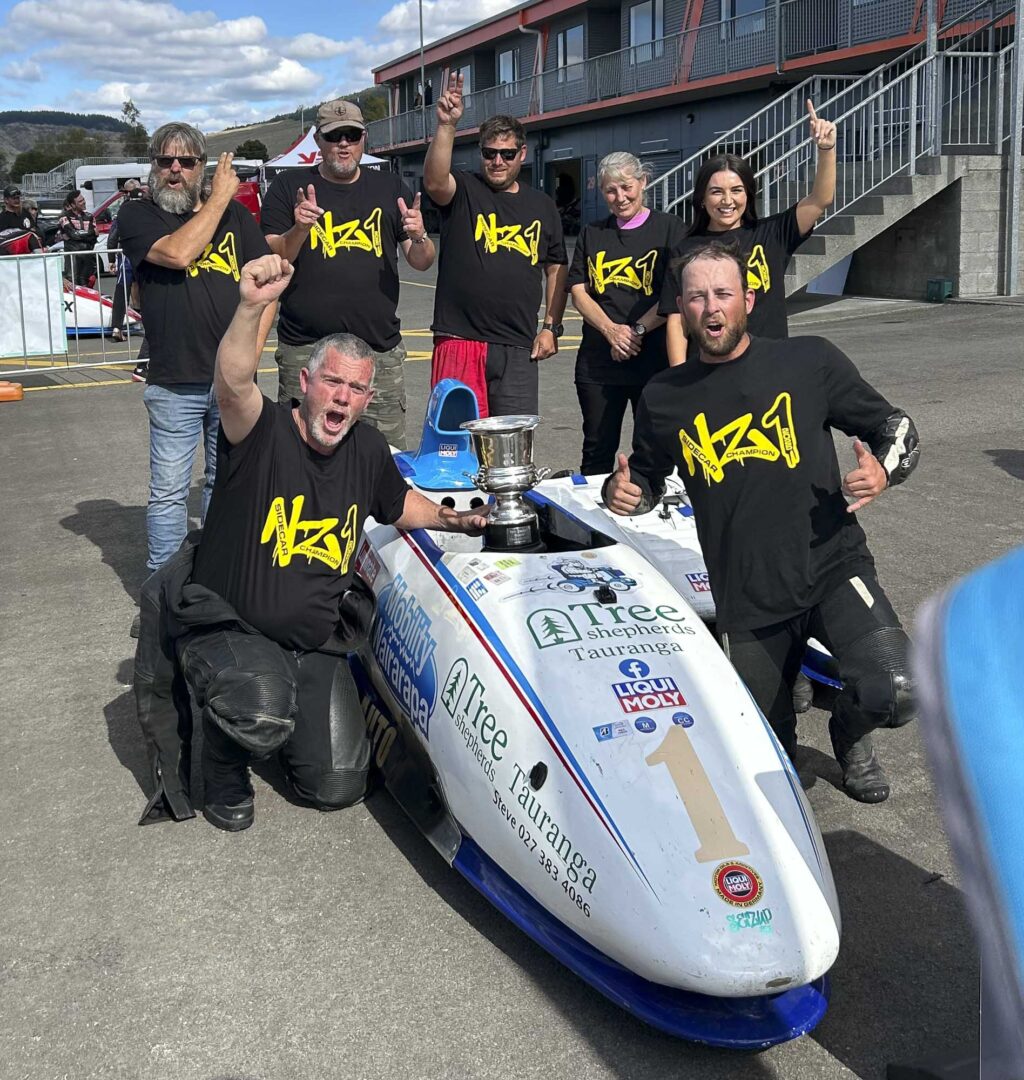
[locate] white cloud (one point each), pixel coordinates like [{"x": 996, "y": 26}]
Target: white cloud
[
  {"x": 22, "y": 71},
  {"x": 213, "y": 71}
]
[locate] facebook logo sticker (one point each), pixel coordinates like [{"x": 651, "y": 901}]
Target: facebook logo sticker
[{"x": 634, "y": 669}]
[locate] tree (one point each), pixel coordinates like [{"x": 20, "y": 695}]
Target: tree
[
  {"x": 252, "y": 150},
  {"x": 50, "y": 152},
  {"x": 135, "y": 141}
]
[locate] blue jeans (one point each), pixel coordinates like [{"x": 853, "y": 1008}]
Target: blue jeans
[{"x": 179, "y": 417}]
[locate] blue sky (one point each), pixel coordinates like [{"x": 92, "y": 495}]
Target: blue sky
[{"x": 215, "y": 64}]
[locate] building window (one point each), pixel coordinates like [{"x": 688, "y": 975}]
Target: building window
[
  {"x": 748, "y": 16},
  {"x": 570, "y": 54},
  {"x": 646, "y": 31},
  {"x": 508, "y": 71}
]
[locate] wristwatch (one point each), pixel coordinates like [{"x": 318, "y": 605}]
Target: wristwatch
[
  {"x": 556, "y": 328},
  {"x": 639, "y": 329}
]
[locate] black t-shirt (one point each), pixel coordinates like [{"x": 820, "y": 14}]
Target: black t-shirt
[
  {"x": 494, "y": 247},
  {"x": 346, "y": 274},
  {"x": 285, "y": 521},
  {"x": 767, "y": 247},
  {"x": 187, "y": 311},
  {"x": 623, "y": 270},
  {"x": 11, "y": 219},
  {"x": 751, "y": 440}
]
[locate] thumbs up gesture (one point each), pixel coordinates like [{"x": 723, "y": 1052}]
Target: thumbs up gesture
[
  {"x": 867, "y": 481},
  {"x": 621, "y": 495},
  {"x": 307, "y": 213},
  {"x": 412, "y": 218}
]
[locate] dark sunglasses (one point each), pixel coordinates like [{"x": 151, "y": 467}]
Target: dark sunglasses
[
  {"x": 489, "y": 153},
  {"x": 349, "y": 135},
  {"x": 187, "y": 161}
]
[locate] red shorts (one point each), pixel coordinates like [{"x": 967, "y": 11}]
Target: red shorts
[{"x": 456, "y": 358}]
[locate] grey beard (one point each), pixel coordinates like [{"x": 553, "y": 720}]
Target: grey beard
[
  {"x": 181, "y": 201},
  {"x": 338, "y": 171}
]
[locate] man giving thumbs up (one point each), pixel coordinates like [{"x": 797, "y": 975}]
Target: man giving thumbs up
[{"x": 748, "y": 428}]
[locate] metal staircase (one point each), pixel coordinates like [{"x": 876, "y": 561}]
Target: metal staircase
[
  {"x": 898, "y": 128},
  {"x": 62, "y": 178}
]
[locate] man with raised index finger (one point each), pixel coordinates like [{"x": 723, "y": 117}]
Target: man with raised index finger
[
  {"x": 500, "y": 240},
  {"x": 340, "y": 225},
  {"x": 747, "y": 424}
]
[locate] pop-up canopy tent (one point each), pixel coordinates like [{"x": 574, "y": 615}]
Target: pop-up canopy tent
[{"x": 305, "y": 152}]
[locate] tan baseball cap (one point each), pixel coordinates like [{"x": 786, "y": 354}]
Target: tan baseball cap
[{"x": 339, "y": 113}]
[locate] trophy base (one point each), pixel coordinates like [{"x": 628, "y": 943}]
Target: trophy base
[{"x": 514, "y": 536}]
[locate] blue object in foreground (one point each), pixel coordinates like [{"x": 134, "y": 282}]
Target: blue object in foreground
[
  {"x": 968, "y": 658},
  {"x": 752, "y": 1023}
]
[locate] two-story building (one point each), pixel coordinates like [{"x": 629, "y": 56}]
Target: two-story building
[{"x": 660, "y": 78}]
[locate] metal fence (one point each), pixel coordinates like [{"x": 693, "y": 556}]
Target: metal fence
[{"x": 57, "y": 312}]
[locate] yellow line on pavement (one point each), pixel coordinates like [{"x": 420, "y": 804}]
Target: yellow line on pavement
[{"x": 418, "y": 284}]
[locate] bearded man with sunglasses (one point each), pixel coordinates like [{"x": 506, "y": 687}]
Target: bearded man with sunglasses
[
  {"x": 340, "y": 226},
  {"x": 187, "y": 247},
  {"x": 499, "y": 240}
]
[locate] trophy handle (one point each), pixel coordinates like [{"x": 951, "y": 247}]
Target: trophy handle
[{"x": 543, "y": 473}]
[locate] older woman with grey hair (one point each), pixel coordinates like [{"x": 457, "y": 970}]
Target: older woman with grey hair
[{"x": 615, "y": 281}]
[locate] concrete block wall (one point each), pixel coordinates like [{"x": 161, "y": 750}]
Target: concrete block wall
[{"x": 959, "y": 234}]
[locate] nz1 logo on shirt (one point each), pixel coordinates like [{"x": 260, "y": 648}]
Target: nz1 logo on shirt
[
  {"x": 404, "y": 647},
  {"x": 642, "y": 693}
]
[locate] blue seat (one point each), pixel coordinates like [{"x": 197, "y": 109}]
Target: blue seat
[{"x": 445, "y": 453}]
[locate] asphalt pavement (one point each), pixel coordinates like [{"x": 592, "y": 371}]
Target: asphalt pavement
[{"x": 340, "y": 945}]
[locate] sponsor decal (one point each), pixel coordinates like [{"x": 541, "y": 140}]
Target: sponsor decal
[
  {"x": 641, "y": 695},
  {"x": 447, "y": 449},
  {"x": 738, "y": 884},
  {"x": 473, "y": 568},
  {"x": 476, "y": 588},
  {"x": 506, "y": 564},
  {"x": 379, "y": 730},
  {"x": 367, "y": 563},
  {"x": 645, "y": 724},
  {"x": 576, "y": 576},
  {"x": 634, "y": 669},
  {"x": 683, "y": 719},
  {"x": 615, "y": 730},
  {"x": 576, "y": 868},
  {"x": 496, "y": 577},
  {"x": 464, "y": 699},
  {"x": 699, "y": 582},
  {"x": 592, "y": 621},
  {"x": 751, "y": 920},
  {"x": 404, "y": 649}
]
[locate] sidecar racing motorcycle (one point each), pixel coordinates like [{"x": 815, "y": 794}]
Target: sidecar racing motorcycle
[{"x": 586, "y": 756}]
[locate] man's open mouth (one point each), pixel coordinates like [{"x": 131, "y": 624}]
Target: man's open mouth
[
  {"x": 714, "y": 328},
  {"x": 334, "y": 421}
]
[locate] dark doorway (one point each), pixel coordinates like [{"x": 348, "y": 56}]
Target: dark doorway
[{"x": 562, "y": 181}]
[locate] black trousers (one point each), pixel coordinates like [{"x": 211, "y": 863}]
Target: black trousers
[
  {"x": 257, "y": 697},
  {"x": 603, "y": 408},
  {"x": 857, "y": 624},
  {"x": 513, "y": 381}
]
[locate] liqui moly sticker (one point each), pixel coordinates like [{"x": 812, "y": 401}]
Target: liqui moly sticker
[
  {"x": 643, "y": 695},
  {"x": 699, "y": 582},
  {"x": 447, "y": 450},
  {"x": 738, "y": 884}
]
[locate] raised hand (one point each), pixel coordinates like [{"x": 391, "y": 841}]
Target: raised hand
[
  {"x": 264, "y": 279},
  {"x": 621, "y": 495},
  {"x": 867, "y": 481},
  {"x": 449, "y": 104},
  {"x": 307, "y": 213},
  {"x": 412, "y": 218},
  {"x": 823, "y": 132},
  {"x": 225, "y": 180}
]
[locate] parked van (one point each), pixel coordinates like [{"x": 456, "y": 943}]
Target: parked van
[{"x": 99, "y": 182}]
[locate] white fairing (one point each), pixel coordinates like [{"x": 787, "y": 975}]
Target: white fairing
[{"x": 661, "y": 774}]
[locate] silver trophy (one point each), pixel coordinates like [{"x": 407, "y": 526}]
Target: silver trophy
[{"x": 504, "y": 449}]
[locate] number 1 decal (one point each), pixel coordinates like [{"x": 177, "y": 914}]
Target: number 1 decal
[{"x": 717, "y": 840}]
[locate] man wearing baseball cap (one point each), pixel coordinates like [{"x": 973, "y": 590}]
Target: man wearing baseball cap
[
  {"x": 15, "y": 216},
  {"x": 340, "y": 225}
]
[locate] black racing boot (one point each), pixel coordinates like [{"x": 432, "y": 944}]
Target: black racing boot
[
  {"x": 803, "y": 693},
  {"x": 864, "y": 778},
  {"x": 228, "y": 796}
]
